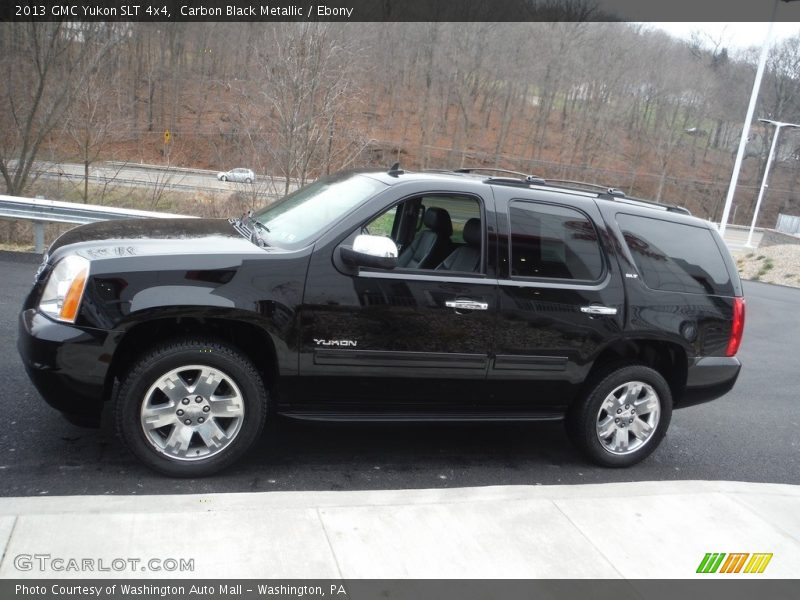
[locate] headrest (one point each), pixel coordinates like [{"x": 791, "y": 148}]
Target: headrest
[
  {"x": 438, "y": 220},
  {"x": 472, "y": 232}
]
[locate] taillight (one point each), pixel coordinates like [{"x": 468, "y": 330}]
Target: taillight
[{"x": 737, "y": 328}]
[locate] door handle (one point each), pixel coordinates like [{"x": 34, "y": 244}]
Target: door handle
[
  {"x": 466, "y": 305},
  {"x": 595, "y": 309}
]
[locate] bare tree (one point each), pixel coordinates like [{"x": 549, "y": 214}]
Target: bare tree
[
  {"x": 90, "y": 122},
  {"x": 305, "y": 83},
  {"x": 783, "y": 101},
  {"x": 43, "y": 65}
]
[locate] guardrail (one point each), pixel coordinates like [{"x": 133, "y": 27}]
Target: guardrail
[
  {"x": 192, "y": 171},
  {"x": 42, "y": 211},
  {"x": 180, "y": 179},
  {"x": 166, "y": 183},
  {"x": 132, "y": 165},
  {"x": 788, "y": 224}
]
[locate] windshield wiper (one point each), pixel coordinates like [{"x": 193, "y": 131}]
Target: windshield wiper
[
  {"x": 256, "y": 228},
  {"x": 260, "y": 225},
  {"x": 241, "y": 226},
  {"x": 250, "y": 228}
]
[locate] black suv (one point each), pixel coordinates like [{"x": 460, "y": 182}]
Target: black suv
[{"x": 389, "y": 296}]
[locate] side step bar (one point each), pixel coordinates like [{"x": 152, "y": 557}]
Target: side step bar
[{"x": 419, "y": 417}]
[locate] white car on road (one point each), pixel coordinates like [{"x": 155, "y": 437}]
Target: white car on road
[{"x": 243, "y": 175}]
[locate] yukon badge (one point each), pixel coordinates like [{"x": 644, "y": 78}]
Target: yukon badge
[{"x": 339, "y": 343}]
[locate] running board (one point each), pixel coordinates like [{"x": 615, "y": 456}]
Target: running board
[{"x": 418, "y": 417}]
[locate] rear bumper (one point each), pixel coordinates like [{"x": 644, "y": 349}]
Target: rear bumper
[
  {"x": 67, "y": 364},
  {"x": 708, "y": 378}
]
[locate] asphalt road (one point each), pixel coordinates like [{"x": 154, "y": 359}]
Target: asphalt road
[
  {"x": 169, "y": 178},
  {"x": 749, "y": 435}
]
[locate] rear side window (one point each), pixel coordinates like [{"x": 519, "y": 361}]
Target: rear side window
[
  {"x": 553, "y": 242},
  {"x": 676, "y": 257}
]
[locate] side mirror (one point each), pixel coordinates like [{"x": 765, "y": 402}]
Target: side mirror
[{"x": 374, "y": 251}]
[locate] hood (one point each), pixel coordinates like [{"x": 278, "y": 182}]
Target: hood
[{"x": 154, "y": 236}]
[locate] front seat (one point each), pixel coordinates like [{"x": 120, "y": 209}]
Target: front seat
[
  {"x": 467, "y": 258},
  {"x": 432, "y": 244}
]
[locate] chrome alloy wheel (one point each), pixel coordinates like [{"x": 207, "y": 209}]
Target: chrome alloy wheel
[
  {"x": 192, "y": 412},
  {"x": 628, "y": 417}
]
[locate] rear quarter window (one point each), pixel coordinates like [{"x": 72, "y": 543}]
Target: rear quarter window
[{"x": 676, "y": 257}]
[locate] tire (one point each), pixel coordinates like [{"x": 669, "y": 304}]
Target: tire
[
  {"x": 214, "y": 413},
  {"x": 623, "y": 416},
  {"x": 223, "y": 178},
  {"x": 248, "y": 180}
]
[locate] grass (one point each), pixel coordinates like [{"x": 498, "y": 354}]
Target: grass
[
  {"x": 765, "y": 268},
  {"x": 16, "y": 247}
]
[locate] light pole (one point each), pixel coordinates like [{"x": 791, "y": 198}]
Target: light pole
[
  {"x": 778, "y": 125},
  {"x": 737, "y": 164},
  {"x": 751, "y": 108}
]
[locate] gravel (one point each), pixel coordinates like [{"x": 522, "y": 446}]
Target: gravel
[{"x": 773, "y": 264}]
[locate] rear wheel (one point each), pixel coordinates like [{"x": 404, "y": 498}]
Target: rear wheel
[
  {"x": 191, "y": 407},
  {"x": 623, "y": 417},
  {"x": 248, "y": 180}
]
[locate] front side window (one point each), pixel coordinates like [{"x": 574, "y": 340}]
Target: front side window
[
  {"x": 434, "y": 232},
  {"x": 300, "y": 217},
  {"x": 553, "y": 242}
]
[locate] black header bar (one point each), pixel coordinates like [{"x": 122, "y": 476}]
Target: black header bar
[
  {"x": 405, "y": 589},
  {"x": 400, "y": 10}
]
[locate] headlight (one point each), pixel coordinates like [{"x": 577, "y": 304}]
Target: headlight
[{"x": 64, "y": 290}]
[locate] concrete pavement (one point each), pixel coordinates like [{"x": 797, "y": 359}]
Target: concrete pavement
[
  {"x": 736, "y": 237},
  {"x": 616, "y": 530}
]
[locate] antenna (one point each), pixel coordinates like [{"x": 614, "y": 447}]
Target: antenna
[{"x": 395, "y": 170}]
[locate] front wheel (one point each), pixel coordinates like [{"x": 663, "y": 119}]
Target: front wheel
[
  {"x": 223, "y": 178},
  {"x": 623, "y": 417},
  {"x": 191, "y": 407}
]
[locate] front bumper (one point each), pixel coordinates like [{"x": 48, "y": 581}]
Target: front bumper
[
  {"x": 67, "y": 364},
  {"x": 708, "y": 378}
]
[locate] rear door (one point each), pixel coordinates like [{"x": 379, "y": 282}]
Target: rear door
[{"x": 560, "y": 298}]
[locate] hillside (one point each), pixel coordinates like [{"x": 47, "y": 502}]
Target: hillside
[{"x": 610, "y": 103}]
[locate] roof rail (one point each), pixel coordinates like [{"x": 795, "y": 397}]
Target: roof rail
[
  {"x": 609, "y": 193},
  {"x": 606, "y": 191},
  {"x": 513, "y": 181},
  {"x": 652, "y": 204},
  {"x": 523, "y": 177}
]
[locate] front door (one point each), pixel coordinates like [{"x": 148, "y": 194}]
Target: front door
[{"x": 415, "y": 339}]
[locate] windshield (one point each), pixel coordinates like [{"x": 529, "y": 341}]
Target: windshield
[{"x": 299, "y": 217}]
